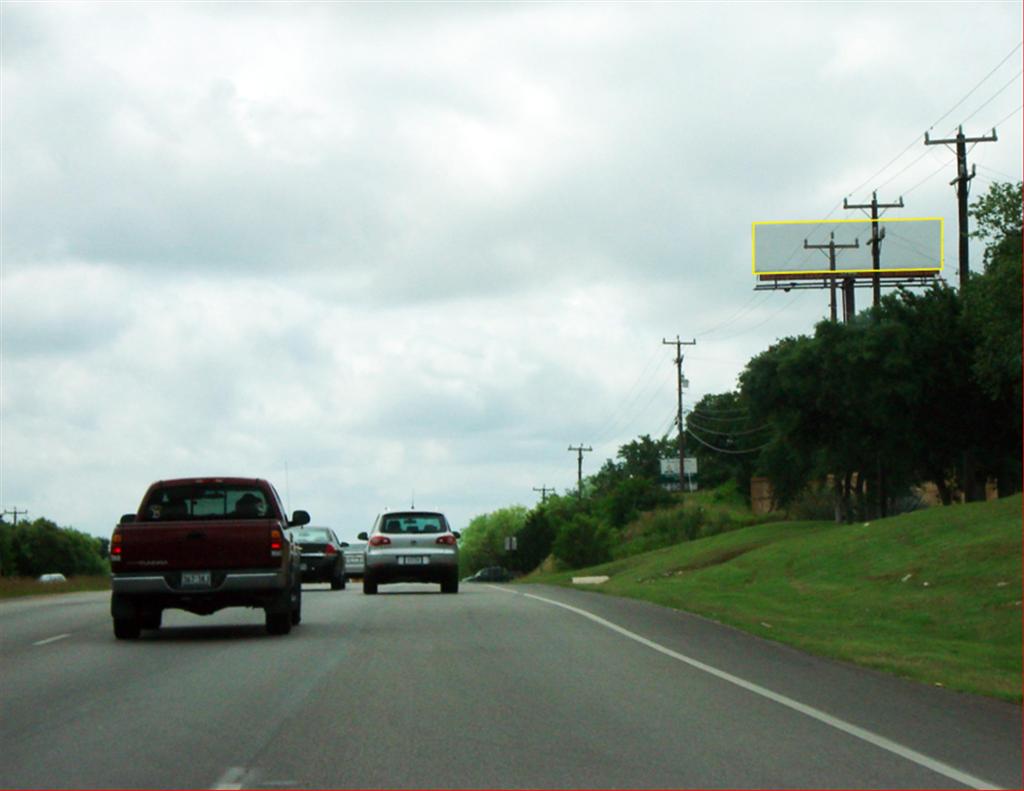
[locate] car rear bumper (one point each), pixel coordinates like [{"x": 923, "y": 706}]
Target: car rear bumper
[
  {"x": 319, "y": 568},
  {"x": 222, "y": 582}
]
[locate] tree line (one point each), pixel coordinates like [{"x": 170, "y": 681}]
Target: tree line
[
  {"x": 29, "y": 549},
  {"x": 924, "y": 388}
]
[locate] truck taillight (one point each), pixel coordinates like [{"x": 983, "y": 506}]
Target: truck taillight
[
  {"x": 275, "y": 543},
  {"x": 448, "y": 539},
  {"x": 379, "y": 541},
  {"x": 115, "y": 546}
]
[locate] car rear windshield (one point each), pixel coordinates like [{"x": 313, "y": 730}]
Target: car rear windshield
[
  {"x": 413, "y": 523},
  {"x": 206, "y": 501},
  {"x": 312, "y": 536}
]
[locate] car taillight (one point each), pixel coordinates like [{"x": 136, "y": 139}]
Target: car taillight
[
  {"x": 379, "y": 541},
  {"x": 276, "y": 540},
  {"x": 115, "y": 546},
  {"x": 330, "y": 550},
  {"x": 446, "y": 539}
]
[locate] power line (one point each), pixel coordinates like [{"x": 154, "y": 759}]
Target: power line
[
  {"x": 726, "y": 450},
  {"x": 967, "y": 95},
  {"x": 983, "y": 106},
  {"x": 726, "y": 433}
]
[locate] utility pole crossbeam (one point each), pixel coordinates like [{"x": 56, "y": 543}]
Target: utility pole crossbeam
[
  {"x": 679, "y": 390},
  {"x": 580, "y": 450},
  {"x": 848, "y": 306},
  {"x": 961, "y": 181},
  {"x": 15, "y": 512},
  {"x": 544, "y": 491},
  {"x": 876, "y": 237}
]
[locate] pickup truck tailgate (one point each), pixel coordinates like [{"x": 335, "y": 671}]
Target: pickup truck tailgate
[{"x": 229, "y": 544}]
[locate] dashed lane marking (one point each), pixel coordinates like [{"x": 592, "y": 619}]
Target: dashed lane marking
[{"x": 54, "y": 639}]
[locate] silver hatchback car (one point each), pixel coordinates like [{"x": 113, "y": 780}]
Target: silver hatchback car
[{"x": 411, "y": 546}]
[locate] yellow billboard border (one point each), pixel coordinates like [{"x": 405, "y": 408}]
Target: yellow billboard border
[{"x": 753, "y": 246}]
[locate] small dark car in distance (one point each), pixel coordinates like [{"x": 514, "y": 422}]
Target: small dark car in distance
[
  {"x": 322, "y": 555},
  {"x": 490, "y": 574}
]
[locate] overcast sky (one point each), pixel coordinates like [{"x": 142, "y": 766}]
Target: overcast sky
[{"x": 366, "y": 250}]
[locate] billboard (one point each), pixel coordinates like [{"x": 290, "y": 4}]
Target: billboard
[{"x": 843, "y": 248}]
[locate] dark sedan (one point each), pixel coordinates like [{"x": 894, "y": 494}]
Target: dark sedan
[
  {"x": 490, "y": 574},
  {"x": 322, "y": 557}
]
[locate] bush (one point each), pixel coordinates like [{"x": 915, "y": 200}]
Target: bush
[{"x": 583, "y": 541}]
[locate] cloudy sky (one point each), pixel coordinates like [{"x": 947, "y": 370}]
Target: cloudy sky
[{"x": 371, "y": 249}]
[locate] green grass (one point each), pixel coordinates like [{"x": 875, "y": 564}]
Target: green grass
[
  {"x": 933, "y": 595},
  {"x": 12, "y": 587}
]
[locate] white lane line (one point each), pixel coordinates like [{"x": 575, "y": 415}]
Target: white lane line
[
  {"x": 51, "y": 639},
  {"x": 231, "y": 780},
  {"x": 860, "y": 733}
]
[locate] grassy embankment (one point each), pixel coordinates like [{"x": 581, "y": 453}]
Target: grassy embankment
[
  {"x": 11, "y": 587},
  {"x": 933, "y": 595}
]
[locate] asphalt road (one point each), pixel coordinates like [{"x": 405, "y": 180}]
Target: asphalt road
[{"x": 497, "y": 687}]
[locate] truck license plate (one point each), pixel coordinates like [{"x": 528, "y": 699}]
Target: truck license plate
[
  {"x": 412, "y": 560},
  {"x": 195, "y": 579}
]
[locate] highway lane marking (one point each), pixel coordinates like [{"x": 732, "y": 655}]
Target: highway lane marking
[
  {"x": 860, "y": 733},
  {"x": 51, "y": 639},
  {"x": 231, "y": 779}
]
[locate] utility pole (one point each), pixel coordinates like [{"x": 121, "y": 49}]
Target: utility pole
[
  {"x": 848, "y": 307},
  {"x": 877, "y": 235},
  {"x": 544, "y": 491},
  {"x": 580, "y": 450},
  {"x": 679, "y": 413},
  {"x": 15, "y": 513},
  {"x": 961, "y": 182}
]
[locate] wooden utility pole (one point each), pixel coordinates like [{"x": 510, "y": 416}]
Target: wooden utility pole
[
  {"x": 961, "y": 181},
  {"x": 544, "y": 492},
  {"x": 848, "y": 306},
  {"x": 14, "y": 512},
  {"x": 679, "y": 413},
  {"x": 877, "y": 235},
  {"x": 579, "y": 467}
]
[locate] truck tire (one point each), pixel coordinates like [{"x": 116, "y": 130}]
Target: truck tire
[
  {"x": 296, "y": 612},
  {"x": 151, "y": 619},
  {"x": 127, "y": 628},
  {"x": 278, "y": 622}
]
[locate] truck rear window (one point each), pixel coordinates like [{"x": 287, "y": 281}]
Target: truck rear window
[{"x": 205, "y": 501}]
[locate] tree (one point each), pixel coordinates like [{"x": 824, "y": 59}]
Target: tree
[
  {"x": 993, "y": 304},
  {"x": 483, "y": 540},
  {"x": 583, "y": 541}
]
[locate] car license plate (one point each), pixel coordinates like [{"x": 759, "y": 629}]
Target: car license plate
[
  {"x": 412, "y": 560},
  {"x": 195, "y": 579}
]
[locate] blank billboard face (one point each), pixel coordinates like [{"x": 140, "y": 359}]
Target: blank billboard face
[{"x": 807, "y": 248}]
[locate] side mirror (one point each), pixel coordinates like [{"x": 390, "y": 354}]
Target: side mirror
[
  {"x": 363, "y": 537},
  {"x": 299, "y": 518},
  {"x": 127, "y": 519},
  {"x": 457, "y": 534},
  {"x": 343, "y": 544}
]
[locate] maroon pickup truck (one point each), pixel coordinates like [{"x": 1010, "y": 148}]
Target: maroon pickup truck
[{"x": 203, "y": 544}]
